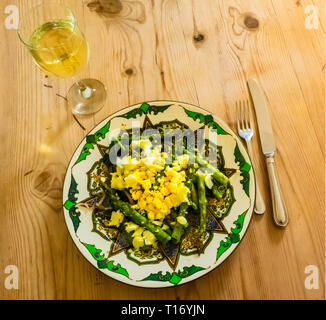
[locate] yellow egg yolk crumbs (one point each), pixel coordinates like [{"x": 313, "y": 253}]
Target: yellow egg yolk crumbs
[{"x": 155, "y": 187}]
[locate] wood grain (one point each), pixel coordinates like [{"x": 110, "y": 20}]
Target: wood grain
[{"x": 195, "y": 51}]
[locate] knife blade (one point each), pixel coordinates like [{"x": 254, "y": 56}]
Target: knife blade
[
  {"x": 263, "y": 118},
  {"x": 280, "y": 214}
]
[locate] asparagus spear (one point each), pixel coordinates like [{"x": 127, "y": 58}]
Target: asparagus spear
[
  {"x": 216, "y": 173},
  {"x": 202, "y": 203},
  {"x": 194, "y": 195},
  {"x": 193, "y": 205},
  {"x": 179, "y": 228},
  {"x": 136, "y": 217}
]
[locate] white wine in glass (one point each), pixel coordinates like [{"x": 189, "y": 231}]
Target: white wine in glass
[{"x": 59, "y": 48}]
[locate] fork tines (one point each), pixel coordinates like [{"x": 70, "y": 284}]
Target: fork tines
[{"x": 243, "y": 114}]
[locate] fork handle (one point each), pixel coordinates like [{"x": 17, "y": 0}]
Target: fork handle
[
  {"x": 259, "y": 207},
  {"x": 280, "y": 213}
]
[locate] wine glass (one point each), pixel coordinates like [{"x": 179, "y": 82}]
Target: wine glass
[{"x": 59, "y": 48}]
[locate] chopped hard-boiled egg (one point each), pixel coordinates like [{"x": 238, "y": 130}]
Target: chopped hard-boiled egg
[
  {"x": 138, "y": 232},
  {"x": 182, "y": 220},
  {"x": 149, "y": 238},
  {"x": 116, "y": 219},
  {"x": 130, "y": 226},
  {"x": 140, "y": 236},
  {"x": 138, "y": 242},
  {"x": 154, "y": 186}
]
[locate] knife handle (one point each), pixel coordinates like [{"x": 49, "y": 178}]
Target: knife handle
[{"x": 280, "y": 213}]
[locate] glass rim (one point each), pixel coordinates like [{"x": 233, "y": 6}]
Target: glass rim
[{"x": 27, "y": 44}]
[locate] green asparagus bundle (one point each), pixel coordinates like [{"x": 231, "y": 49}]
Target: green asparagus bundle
[
  {"x": 136, "y": 217},
  {"x": 197, "y": 200}
]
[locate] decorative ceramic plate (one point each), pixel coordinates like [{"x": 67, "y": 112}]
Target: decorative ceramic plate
[{"x": 227, "y": 222}]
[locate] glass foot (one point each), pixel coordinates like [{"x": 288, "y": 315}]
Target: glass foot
[{"x": 87, "y": 96}]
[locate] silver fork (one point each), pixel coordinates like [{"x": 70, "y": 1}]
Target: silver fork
[{"x": 246, "y": 132}]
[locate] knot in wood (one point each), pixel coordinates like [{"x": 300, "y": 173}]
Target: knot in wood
[
  {"x": 129, "y": 72},
  {"x": 47, "y": 184},
  {"x": 199, "y": 37},
  {"x": 251, "y": 22},
  {"x": 105, "y": 6}
]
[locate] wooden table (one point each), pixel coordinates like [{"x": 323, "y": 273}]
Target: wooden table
[{"x": 197, "y": 51}]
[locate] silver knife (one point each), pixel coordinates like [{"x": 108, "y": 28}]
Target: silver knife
[{"x": 280, "y": 213}]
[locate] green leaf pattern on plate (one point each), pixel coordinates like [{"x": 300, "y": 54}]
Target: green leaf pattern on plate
[
  {"x": 174, "y": 277},
  {"x": 103, "y": 263},
  {"x": 207, "y": 120},
  {"x": 91, "y": 139},
  {"x": 70, "y": 204},
  {"x": 244, "y": 168},
  {"x": 232, "y": 237},
  {"x": 145, "y": 108}
]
